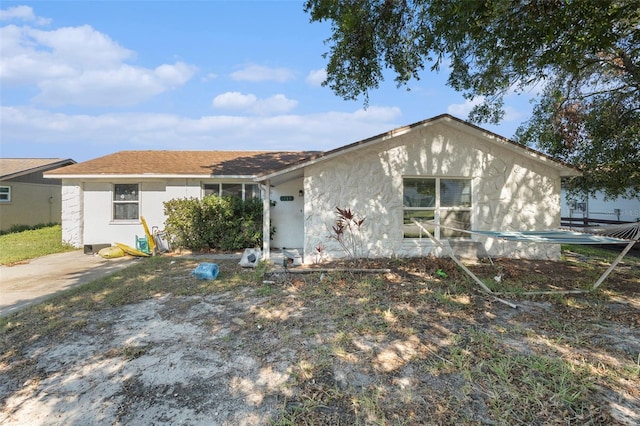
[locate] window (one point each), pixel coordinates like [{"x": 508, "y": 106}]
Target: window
[
  {"x": 437, "y": 200},
  {"x": 126, "y": 201},
  {"x": 211, "y": 189},
  {"x": 232, "y": 189},
  {"x": 5, "y": 194},
  {"x": 245, "y": 191},
  {"x": 251, "y": 191}
]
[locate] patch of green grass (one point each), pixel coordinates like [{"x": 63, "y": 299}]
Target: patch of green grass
[
  {"x": 265, "y": 290},
  {"x": 25, "y": 245},
  {"x": 590, "y": 251}
]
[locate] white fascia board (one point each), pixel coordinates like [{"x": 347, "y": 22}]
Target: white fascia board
[{"x": 148, "y": 176}]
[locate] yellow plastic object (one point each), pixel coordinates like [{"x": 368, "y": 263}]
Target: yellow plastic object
[
  {"x": 150, "y": 241},
  {"x": 130, "y": 250},
  {"x": 111, "y": 252}
]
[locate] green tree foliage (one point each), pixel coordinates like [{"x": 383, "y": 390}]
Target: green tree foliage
[
  {"x": 221, "y": 223},
  {"x": 583, "y": 55}
]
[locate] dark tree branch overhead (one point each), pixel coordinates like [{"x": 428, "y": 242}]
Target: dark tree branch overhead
[{"x": 586, "y": 55}]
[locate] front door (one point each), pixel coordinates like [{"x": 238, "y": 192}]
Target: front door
[{"x": 287, "y": 215}]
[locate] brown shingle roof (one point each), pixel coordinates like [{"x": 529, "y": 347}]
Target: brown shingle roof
[
  {"x": 205, "y": 163},
  {"x": 13, "y": 167}
]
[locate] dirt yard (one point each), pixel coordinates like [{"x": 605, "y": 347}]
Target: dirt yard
[{"x": 413, "y": 346}]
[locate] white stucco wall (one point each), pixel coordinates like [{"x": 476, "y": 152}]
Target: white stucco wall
[
  {"x": 87, "y": 209},
  {"x": 509, "y": 192},
  {"x": 72, "y": 224}
]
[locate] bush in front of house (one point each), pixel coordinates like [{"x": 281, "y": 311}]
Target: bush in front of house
[{"x": 219, "y": 223}]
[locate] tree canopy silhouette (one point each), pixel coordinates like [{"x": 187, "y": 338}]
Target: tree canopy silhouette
[{"x": 583, "y": 56}]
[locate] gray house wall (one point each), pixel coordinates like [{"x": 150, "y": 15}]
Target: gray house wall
[{"x": 34, "y": 201}]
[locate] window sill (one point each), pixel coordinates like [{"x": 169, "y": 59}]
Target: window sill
[
  {"x": 417, "y": 242},
  {"x": 125, "y": 222}
]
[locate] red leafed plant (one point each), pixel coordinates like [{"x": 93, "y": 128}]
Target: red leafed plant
[{"x": 347, "y": 232}]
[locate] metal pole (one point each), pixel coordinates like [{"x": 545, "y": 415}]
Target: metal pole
[
  {"x": 266, "y": 221},
  {"x": 613, "y": 265}
]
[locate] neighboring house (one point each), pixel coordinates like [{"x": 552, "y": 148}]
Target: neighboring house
[
  {"x": 441, "y": 170},
  {"x": 26, "y": 198},
  {"x": 597, "y": 207}
]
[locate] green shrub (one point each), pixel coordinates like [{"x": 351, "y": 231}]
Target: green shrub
[{"x": 220, "y": 223}]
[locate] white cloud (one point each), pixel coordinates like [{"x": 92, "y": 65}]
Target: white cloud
[
  {"x": 277, "y": 104},
  {"x": 462, "y": 110},
  {"x": 316, "y": 77},
  {"x": 81, "y": 66},
  {"x": 22, "y": 13},
  {"x": 121, "y": 86},
  {"x": 234, "y": 100},
  {"x": 115, "y": 132},
  {"x": 174, "y": 75},
  {"x": 257, "y": 73}
]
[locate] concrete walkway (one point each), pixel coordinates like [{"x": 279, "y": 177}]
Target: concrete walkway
[{"x": 24, "y": 284}]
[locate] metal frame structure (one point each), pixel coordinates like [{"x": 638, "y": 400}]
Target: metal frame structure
[{"x": 628, "y": 234}]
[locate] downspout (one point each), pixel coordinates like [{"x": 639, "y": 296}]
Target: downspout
[{"x": 266, "y": 221}]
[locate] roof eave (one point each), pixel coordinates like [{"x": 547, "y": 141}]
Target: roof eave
[
  {"x": 49, "y": 166},
  {"x": 144, "y": 176}
]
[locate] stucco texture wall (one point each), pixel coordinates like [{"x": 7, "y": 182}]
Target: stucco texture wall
[
  {"x": 509, "y": 192},
  {"x": 72, "y": 224}
]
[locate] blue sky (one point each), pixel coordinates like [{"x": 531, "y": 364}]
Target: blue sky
[{"x": 82, "y": 79}]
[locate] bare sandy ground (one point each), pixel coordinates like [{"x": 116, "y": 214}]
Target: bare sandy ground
[
  {"x": 158, "y": 362},
  {"x": 236, "y": 358}
]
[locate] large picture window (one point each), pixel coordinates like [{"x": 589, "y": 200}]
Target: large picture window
[
  {"x": 126, "y": 201},
  {"x": 431, "y": 201},
  {"x": 245, "y": 191}
]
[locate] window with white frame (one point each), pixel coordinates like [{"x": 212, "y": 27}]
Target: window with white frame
[
  {"x": 126, "y": 201},
  {"x": 430, "y": 201},
  {"x": 5, "y": 194},
  {"x": 211, "y": 189},
  {"x": 245, "y": 191}
]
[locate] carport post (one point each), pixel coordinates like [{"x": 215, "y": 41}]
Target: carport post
[{"x": 266, "y": 221}]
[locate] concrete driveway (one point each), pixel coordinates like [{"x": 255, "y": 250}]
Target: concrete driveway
[{"x": 25, "y": 284}]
